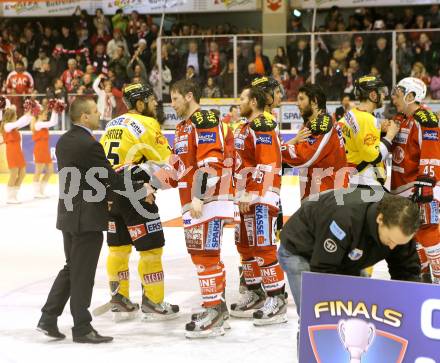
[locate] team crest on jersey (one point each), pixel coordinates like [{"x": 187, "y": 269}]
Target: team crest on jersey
[
  {"x": 430, "y": 135},
  {"x": 207, "y": 137},
  {"x": 369, "y": 139},
  {"x": 398, "y": 155},
  {"x": 330, "y": 246},
  {"x": 355, "y": 254},
  {"x": 264, "y": 139}
]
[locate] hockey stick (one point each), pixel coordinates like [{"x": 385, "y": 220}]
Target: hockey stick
[{"x": 100, "y": 310}]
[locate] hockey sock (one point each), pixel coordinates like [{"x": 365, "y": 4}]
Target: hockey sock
[
  {"x": 272, "y": 275},
  {"x": 211, "y": 278},
  {"x": 117, "y": 269},
  {"x": 433, "y": 255},
  {"x": 424, "y": 264},
  {"x": 251, "y": 273},
  {"x": 151, "y": 274}
]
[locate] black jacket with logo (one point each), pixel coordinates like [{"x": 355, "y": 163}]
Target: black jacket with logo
[{"x": 338, "y": 233}]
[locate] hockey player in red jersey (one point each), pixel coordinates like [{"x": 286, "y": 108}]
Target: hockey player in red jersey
[
  {"x": 416, "y": 168},
  {"x": 321, "y": 157},
  {"x": 257, "y": 174},
  {"x": 205, "y": 190}
]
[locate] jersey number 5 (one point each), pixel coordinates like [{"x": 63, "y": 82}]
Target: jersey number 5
[{"x": 112, "y": 156}]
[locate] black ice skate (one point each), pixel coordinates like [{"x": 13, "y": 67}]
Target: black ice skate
[
  {"x": 208, "y": 323},
  {"x": 274, "y": 311},
  {"x": 249, "y": 302},
  {"x": 161, "y": 311},
  {"x": 122, "y": 308}
]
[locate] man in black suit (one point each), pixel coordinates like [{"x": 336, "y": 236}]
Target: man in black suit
[{"x": 85, "y": 173}]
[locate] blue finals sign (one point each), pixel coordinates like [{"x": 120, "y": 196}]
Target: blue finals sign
[{"x": 352, "y": 319}]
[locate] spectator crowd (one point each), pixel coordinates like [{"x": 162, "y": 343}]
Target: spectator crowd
[{"x": 96, "y": 55}]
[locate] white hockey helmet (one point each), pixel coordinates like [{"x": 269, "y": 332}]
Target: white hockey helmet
[{"x": 414, "y": 85}]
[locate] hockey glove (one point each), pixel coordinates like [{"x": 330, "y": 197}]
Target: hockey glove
[{"x": 423, "y": 189}]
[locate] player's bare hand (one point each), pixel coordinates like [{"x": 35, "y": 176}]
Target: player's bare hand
[
  {"x": 196, "y": 208},
  {"x": 150, "y": 193},
  {"x": 393, "y": 129},
  {"x": 301, "y": 136},
  {"x": 244, "y": 207},
  {"x": 384, "y": 124}
]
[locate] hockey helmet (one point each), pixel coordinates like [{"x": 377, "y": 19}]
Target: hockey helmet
[
  {"x": 265, "y": 83},
  {"x": 364, "y": 85},
  {"x": 414, "y": 85},
  {"x": 134, "y": 92},
  {"x": 268, "y": 85}
]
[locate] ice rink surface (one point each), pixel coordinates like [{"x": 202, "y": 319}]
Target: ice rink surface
[{"x": 32, "y": 254}]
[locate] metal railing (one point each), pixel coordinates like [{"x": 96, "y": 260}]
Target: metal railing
[{"x": 236, "y": 46}]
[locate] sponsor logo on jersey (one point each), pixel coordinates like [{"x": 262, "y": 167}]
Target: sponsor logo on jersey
[
  {"x": 311, "y": 140},
  {"x": 153, "y": 278},
  {"x": 154, "y": 226},
  {"x": 116, "y": 122},
  {"x": 207, "y": 137},
  {"x": 330, "y": 246},
  {"x": 250, "y": 230},
  {"x": 239, "y": 144},
  {"x": 434, "y": 212},
  {"x": 430, "y": 135},
  {"x": 401, "y": 137},
  {"x": 123, "y": 275},
  {"x": 194, "y": 237},
  {"x": 262, "y": 225},
  {"x": 213, "y": 235},
  {"x": 349, "y": 118},
  {"x": 136, "y": 128},
  {"x": 186, "y": 222},
  {"x": 137, "y": 231},
  {"x": 160, "y": 139},
  {"x": 369, "y": 139},
  {"x": 398, "y": 155},
  {"x": 264, "y": 140},
  {"x": 181, "y": 147},
  {"x": 337, "y": 231},
  {"x": 355, "y": 254},
  {"x": 111, "y": 227}
]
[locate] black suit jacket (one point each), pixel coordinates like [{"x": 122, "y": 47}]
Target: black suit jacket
[{"x": 79, "y": 151}]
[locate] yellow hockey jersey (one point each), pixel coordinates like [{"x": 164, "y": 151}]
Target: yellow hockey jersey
[
  {"x": 365, "y": 151},
  {"x": 132, "y": 139}
]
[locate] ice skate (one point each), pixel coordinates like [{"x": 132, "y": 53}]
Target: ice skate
[
  {"x": 208, "y": 323},
  {"x": 122, "y": 308},
  {"x": 242, "y": 287},
  {"x": 249, "y": 302},
  {"x": 274, "y": 311},
  {"x": 161, "y": 311}
]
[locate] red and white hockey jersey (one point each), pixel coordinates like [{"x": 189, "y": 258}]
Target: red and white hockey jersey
[
  {"x": 416, "y": 151},
  {"x": 198, "y": 161},
  {"x": 320, "y": 159},
  {"x": 19, "y": 83},
  {"x": 257, "y": 168}
]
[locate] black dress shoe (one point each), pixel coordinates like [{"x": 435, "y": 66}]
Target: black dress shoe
[
  {"x": 50, "y": 330},
  {"x": 93, "y": 338}
]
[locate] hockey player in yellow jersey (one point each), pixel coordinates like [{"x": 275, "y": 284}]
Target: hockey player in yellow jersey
[
  {"x": 130, "y": 139},
  {"x": 365, "y": 149}
]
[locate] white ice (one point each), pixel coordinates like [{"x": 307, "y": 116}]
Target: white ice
[{"x": 32, "y": 254}]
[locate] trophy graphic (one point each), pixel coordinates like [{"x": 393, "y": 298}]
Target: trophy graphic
[{"x": 357, "y": 336}]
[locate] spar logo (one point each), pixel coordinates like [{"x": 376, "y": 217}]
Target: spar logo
[{"x": 137, "y": 231}]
